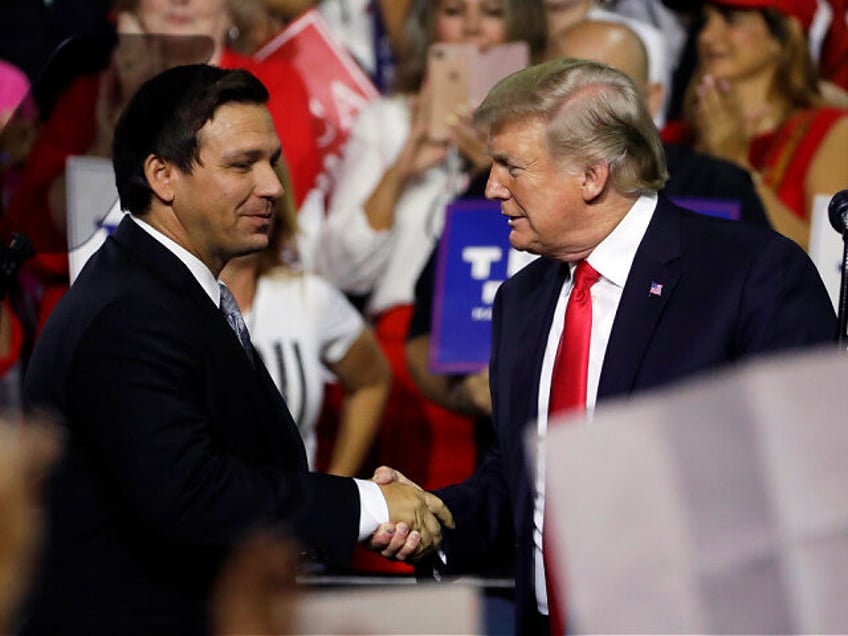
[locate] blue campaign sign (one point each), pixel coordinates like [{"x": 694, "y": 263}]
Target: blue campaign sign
[
  {"x": 722, "y": 208},
  {"x": 473, "y": 260}
]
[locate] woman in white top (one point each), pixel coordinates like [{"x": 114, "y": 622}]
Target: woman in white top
[
  {"x": 306, "y": 332},
  {"x": 387, "y": 207}
]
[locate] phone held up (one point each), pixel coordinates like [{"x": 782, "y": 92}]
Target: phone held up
[{"x": 460, "y": 75}]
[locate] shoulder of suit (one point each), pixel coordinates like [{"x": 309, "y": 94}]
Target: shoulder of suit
[
  {"x": 533, "y": 274},
  {"x": 725, "y": 236}
]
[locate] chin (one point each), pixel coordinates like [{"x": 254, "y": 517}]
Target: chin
[
  {"x": 519, "y": 244},
  {"x": 257, "y": 245}
]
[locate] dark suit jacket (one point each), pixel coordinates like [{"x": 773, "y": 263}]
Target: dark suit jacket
[
  {"x": 695, "y": 174},
  {"x": 176, "y": 446},
  {"x": 730, "y": 291}
]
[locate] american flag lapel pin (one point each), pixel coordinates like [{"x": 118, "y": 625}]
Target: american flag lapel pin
[{"x": 656, "y": 289}]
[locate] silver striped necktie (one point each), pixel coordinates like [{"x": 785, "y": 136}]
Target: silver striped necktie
[{"x": 233, "y": 314}]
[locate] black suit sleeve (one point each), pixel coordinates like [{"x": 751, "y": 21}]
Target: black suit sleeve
[
  {"x": 163, "y": 423},
  {"x": 421, "y": 322}
]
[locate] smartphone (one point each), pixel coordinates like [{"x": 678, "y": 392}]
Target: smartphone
[
  {"x": 449, "y": 75},
  {"x": 460, "y": 75}
]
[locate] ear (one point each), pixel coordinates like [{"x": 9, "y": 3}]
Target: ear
[
  {"x": 656, "y": 96},
  {"x": 595, "y": 179},
  {"x": 160, "y": 175}
]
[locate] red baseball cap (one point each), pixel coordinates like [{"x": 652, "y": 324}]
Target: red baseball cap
[{"x": 804, "y": 10}]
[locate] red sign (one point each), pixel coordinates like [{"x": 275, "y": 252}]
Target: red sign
[{"x": 338, "y": 88}]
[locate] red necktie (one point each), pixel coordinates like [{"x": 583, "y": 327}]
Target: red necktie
[
  {"x": 571, "y": 367},
  {"x": 568, "y": 392}
]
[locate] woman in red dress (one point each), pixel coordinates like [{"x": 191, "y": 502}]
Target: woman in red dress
[{"x": 755, "y": 101}]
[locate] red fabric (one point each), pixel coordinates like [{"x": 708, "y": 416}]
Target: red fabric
[
  {"x": 783, "y": 157},
  {"x": 675, "y": 132},
  {"x": 569, "y": 382},
  {"x": 16, "y": 339},
  {"x": 804, "y": 10},
  {"x": 367, "y": 562},
  {"x": 833, "y": 61},
  {"x": 70, "y": 130},
  {"x": 571, "y": 367},
  {"x": 429, "y": 444}
]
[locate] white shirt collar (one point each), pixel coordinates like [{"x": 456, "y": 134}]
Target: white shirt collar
[
  {"x": 198, "y": 269},
  {"x": 613, "y": 257}
]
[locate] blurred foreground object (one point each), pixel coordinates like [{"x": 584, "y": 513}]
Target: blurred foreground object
[
  {"x": 26, "y": 453},
  {"x": 392, "y": 609},
  {"x": 715, "y": 507},
  {"x": 254, "y": 593}
]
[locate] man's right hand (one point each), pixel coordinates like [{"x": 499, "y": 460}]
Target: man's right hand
[{"x": 415, "y": 518}]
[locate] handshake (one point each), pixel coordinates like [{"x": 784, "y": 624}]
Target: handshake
[{"x": 415, "y": 522}]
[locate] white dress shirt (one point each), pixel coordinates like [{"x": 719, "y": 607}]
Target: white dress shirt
[
  {"x": 612, "y": 259},
  {"x": 372, "y": 504}
]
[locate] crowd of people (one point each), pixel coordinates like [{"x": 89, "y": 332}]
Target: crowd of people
[{"x": 176, "y": 444}]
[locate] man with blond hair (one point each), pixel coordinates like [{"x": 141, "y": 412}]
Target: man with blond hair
[{"x": 659, "y": 294}]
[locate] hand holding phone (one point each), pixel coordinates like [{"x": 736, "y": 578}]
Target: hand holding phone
[{"x": 460, "y": 76}]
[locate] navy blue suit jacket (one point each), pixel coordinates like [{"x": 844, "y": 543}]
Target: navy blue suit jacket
[
  {"x": 176, "y": 447},
  {"x": 730, "y": 291}
]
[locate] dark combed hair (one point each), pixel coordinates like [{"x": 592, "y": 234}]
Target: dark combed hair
[{"x": 163, "y": 119}]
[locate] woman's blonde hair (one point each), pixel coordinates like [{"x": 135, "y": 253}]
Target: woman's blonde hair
[{"x": 282, "y": 243}]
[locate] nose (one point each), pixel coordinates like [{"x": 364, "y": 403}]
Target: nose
[
  {"x": 471, "y": 24},
  {"x": 494, "y": 185},
  {"x": 268, "y": 183},
  {"x": 712, "y": 27}
]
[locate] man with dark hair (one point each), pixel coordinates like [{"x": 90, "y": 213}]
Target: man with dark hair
[{"x": 177, "y": 440}]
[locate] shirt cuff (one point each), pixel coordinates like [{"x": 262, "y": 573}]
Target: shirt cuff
[{"x": 373, "y": 510}]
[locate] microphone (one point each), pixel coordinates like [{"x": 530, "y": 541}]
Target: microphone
[{"x": 837, "y": 211}]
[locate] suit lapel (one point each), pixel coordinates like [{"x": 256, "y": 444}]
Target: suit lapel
[
  {"x": 531, "y": 332},
  {"x": 281, "y": 439},
  {"x": 657, "y": 263},
  {"x": 167, "y": 268}
]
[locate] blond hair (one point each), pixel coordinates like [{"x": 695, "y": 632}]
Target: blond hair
[{"x": 592, "y": 113}]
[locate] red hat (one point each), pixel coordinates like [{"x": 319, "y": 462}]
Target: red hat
[{"x": 804, "y": 10}]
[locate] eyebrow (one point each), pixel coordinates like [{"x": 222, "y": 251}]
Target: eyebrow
[
  {"x": 505, "y": 158},
  {"x": 252, "y": 154}
]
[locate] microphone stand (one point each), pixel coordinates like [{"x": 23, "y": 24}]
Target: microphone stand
[{"x": 837, "y": 211}]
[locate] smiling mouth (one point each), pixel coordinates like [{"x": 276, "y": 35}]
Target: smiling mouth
[
  {"x": 265, "y": 212},
  {"x": 179, "y": 19},
  {"x": 260, "y": 221},
  {"x": 712, "y": 56}
]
